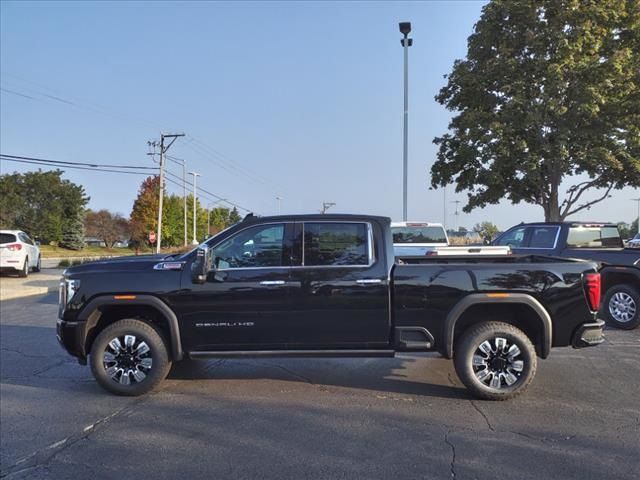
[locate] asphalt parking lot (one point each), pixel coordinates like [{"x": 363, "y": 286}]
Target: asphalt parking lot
[{"x": 405, "y": 418}]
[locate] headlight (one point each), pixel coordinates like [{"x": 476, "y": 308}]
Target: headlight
[{"x": 68, "y": 288}]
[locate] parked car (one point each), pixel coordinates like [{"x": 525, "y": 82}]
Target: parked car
[
  {"x": 634, "y": 242},
  {"x": 417, "y": 238},
  {"x": 18, "y": 253},
  {"x": 592, "y": 241},
  {"x": 324, "y": 286}
]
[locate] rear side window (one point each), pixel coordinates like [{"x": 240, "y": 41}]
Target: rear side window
[
  {"x": 543, "y": 237},
  {"x": 336, "y": 244},
  {"x": 7, "y": 238},
  {"x": 594, "y": 237},
  {"x": 424, "y": 234}
]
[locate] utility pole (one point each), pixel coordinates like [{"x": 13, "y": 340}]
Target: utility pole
[
  {"x": 457, "y": 202},
  {"x": 184, "y": 197},
  {"x": 163, "y": 150},
  {"x": 405, "y": 29},
  {"x": 279, "y": 199},
  {"x": 326, "y": 206},
  {"x": 195, "y": 198}
]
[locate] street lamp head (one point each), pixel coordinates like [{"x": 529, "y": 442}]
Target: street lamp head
[{"x": 405, "y": 28}]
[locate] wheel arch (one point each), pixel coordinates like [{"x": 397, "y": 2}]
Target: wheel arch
[
  {"x": 612, "y": 276},
  {"x": 529, "y": 315},
  {"x": 105, "y": 310}
]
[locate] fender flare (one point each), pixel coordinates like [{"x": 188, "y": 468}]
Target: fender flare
[
  {"x": 480, "y": 298},
  {"x": 91, "y": 313}
]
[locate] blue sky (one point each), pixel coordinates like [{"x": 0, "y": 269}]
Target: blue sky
[{"x": 301, "y": 100}]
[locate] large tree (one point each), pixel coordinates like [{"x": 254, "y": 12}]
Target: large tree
[
  {"x": 44, "y": 205},
  {"x": 108, "y": 227},
  {"x": 547, "y": 105}
]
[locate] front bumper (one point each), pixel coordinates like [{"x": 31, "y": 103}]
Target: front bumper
[
  {"x": 588, "y": 335},
  {"x": 70, "y": 335}
]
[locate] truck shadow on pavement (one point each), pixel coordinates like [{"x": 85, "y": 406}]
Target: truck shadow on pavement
[{"x": 421, "y": 375}]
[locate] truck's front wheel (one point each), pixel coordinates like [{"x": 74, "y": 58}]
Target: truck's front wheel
[
  {"x": 495, "y": 360},
  {"x": 129, "y": 357}
]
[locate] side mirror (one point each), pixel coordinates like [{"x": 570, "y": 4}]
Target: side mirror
[
  {"x": 37, "y": 242},
  {"x": 201, "y": 266}
]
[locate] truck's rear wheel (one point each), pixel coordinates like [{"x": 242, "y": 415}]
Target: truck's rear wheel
[
  {"x": 129, "y": 357},
  {"x": 622, "y": 307},
  {"x": 495, "y": 360}
]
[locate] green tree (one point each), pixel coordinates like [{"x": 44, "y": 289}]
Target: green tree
[
  {"x": 73, "y": 232},
  {"x": 547, "y": 97},
  {"x": 43, "y": 204},
  {"x": 234, "y": 216},
  {"x": 144, "y": 215},
  {"x": 486, "y": 230}
]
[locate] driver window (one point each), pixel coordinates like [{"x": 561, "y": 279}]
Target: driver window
[
  {"x": 513, "y": 238},
  {"x": 260, "y": 246}
]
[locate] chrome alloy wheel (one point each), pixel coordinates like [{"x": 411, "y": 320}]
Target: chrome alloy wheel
[
  {"x": 499, "y": 365},
  {"x": 127, "y": 360},
  {"x": 622, "y": 307}
]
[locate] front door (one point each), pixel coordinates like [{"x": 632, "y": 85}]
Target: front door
[{"x": 245, "y": 302}]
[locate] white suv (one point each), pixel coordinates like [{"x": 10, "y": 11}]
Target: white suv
[{"x": 18, "y": 252}]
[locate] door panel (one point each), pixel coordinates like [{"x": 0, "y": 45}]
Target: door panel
[
  {"x": 245, "y": 303},
  {"x": 340, "y": 293}
]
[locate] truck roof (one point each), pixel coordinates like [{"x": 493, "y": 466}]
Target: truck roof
[
  {"x": 317, "y": 216},
  {"x": 572, "y": 224}
]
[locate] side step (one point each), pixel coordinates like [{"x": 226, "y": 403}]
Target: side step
[{"x": 292, "y": 353}]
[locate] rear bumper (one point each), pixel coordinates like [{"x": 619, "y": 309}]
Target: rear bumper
[{"x": 588, "y": 335}]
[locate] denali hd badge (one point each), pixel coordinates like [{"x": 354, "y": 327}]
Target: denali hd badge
[{"x": 225, "y": 324}]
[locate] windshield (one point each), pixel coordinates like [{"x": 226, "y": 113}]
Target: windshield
[
  {"x": 209, "y": 242},
  {"x": 424, "y": 234}
]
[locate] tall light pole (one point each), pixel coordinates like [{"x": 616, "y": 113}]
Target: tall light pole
[
  {"x": 195, "y": 198},
  {"x": 405, "y": 29},
  {"x": 457, "y": 202},
  {"x": 637, "y": 200},
  {"x": 279, "y": 199}
]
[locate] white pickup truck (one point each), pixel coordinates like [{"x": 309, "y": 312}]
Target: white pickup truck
[{"x": 416, "y": 239}]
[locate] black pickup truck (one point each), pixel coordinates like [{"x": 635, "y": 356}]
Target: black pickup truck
[
  {"x": 600, "y": 242},
  {"x": 324, "y": 285}
]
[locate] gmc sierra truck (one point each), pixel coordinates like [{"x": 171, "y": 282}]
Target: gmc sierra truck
[
  {"x": 600, "y": 242},
  {"x": 324, "y": 285}
]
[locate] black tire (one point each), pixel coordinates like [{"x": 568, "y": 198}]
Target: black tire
[
  {"x": 621, "y": 307},
  {"x": 38, "y": 266},
  {"x": 519, "y": 369},
  {"x": 24, "y": 272},
  {"x": 110, "y": 367}
]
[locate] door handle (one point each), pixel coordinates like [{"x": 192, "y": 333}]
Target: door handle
[
  {"x": 272, "y": 282},
  {"x": 366, "y": 281}
]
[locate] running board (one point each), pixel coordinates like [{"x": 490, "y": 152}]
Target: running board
[{"x": 291, "y": 353}]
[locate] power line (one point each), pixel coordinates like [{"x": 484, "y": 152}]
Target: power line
[
  {"x": 47, "y": 164},
  {"x": 96, "y": 165},
  {"x": 212, "y": 196}
]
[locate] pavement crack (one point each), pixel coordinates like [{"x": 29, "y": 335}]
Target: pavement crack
[
  {"x": 453, "y": 453},
  {"x": 290, "y": 372},
  {"x": 42, "y": 457},
  {"x": 20, "y": 352},
  {"x": 484, "y": 415}
]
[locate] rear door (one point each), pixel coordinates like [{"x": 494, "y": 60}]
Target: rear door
[{"x": 340, "y": 287}]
